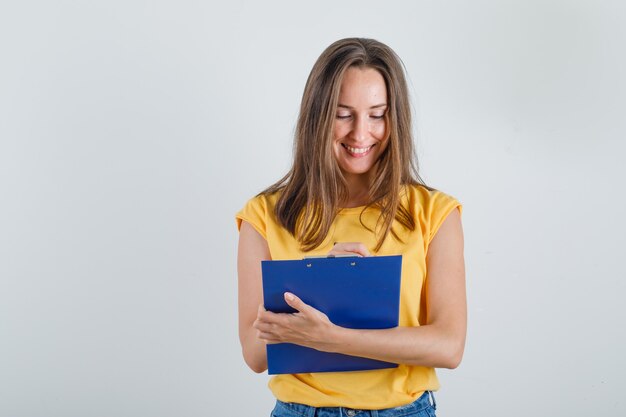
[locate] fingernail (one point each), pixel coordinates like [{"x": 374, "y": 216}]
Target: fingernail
[{"x": 289, "y": 296}]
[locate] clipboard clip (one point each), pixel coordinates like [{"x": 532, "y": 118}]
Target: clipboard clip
[{"x": 309, "y": 264}]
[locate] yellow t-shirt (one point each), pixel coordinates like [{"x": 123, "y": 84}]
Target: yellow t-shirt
[{"x": 375, "y": 389}]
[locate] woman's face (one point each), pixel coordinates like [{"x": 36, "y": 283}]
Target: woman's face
[{"x": 360, "y": 131}]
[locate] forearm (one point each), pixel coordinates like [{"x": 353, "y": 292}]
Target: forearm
[
  {"x": 439, "y": 344},
  {"x": 254, "y": 351},
  {"x": 427, "y": 345}
]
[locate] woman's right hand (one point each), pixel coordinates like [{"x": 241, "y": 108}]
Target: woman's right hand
[{"x": 349, "y": 248}]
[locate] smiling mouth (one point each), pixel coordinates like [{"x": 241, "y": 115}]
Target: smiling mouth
[{"x": 357, "y": 152}]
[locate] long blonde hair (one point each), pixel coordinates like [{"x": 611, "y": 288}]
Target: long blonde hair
[{"x": 314, "y": 187}]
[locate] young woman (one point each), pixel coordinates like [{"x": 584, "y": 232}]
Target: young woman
[{"x": 354, "y": 188}]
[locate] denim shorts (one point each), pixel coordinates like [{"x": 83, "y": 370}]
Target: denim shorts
[{"x": 422, "y": 407}]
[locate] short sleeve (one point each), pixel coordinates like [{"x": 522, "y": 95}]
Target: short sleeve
[
  {"x": 440, "y": 205},
  {"x": 255, "y": 213}
]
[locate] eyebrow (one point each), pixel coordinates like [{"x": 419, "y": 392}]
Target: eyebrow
[{"x": 352, "y": 108}]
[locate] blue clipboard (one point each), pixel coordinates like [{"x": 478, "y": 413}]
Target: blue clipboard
[{"x": 354, "y": 292}]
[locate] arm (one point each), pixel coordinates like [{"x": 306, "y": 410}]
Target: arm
[
  {"x": 252, "y": 250},
  {"x": 439, "y": 343}
]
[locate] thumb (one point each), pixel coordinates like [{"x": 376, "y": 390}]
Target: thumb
[{"x": 295, "y": 302}]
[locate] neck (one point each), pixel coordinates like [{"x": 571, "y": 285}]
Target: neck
[{"x": 358, "y": 190}]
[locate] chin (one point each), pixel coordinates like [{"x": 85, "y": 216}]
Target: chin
[{"x": 349, "y": 170}]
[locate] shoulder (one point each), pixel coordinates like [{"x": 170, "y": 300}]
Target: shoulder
[
  {"x": 422, "y": 194},
  {"x": 421, "y": 197},
  {"x": 262, "y": 201},
  {"x": 430, "y": 206},
  {"x": 258, "y": 211}
]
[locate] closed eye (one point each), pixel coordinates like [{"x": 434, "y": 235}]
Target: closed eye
[{"x": 348, "y": 116}]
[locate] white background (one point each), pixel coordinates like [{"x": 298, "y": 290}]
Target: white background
[{"x": 132, "y": 131}]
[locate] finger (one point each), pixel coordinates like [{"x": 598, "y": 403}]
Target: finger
[
  {"x": 262, "y": 326},
  {"x": 266, "y": 318},
  {"x": 262, "y": 314},
  {"x": 295, "y": 302},
  {"x": 341, "y": 248},
  {"x": 267, "y": 337},
  {"x": 336, "y": 252}
]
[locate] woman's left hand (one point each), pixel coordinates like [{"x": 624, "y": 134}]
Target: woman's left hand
[
  {"x": 349, "y": 248},
  {"x": 307, "y": 327}
]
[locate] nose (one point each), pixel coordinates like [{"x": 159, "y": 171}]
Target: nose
[{"x": 360, "y": 129}]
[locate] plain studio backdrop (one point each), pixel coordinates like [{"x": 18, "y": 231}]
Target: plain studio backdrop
[{"x": 132, "y": 131}]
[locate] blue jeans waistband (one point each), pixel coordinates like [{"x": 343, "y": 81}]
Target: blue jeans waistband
[{"x": 425, "y": 405}]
